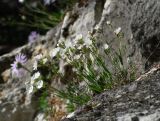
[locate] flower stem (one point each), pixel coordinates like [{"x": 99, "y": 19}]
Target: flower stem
[{"x": 25, "y": 68}]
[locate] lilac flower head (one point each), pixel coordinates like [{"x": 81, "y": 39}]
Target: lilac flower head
[
  {"x": 16, "y": 67},
  {"x": 33, "y": 36}
]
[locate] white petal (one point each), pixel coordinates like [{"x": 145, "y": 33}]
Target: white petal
[
  {"x": 21, "y": 1},
  {"x": 29, "y": 88},
  {"x": 117, "y": 31},
  {"x": 80, "y": 47},
  {"x": 35, "y": 76},
  {"x": 128, "y": 60},
  {"x": 79, "y": 37},
  {"x": 35, "y": 64},
  {"x": 106, "y": 46},
  {"x": 38, "y": 57},
  {"x": 88, "y": 42},
  {"x": 45, "y": 60},
  {"x": 97, "y": 27},
  {"x": 108, "y": 22},
  {"x": 54, "y": 52},
  {"x": 68, "y": 44},
  {"x": 77, "y": 57},
  {"x": 32, "y": 80},
  {"x": 39, "y": 84}
]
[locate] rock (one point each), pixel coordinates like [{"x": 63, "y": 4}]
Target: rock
[
  {"x": 145, "y": 27},
  {"x": 15, "y": 103},
  {"x": 79, "y": 21},
  {"x": 138, "y": 101},
  {"x": 6, "y": 75}
]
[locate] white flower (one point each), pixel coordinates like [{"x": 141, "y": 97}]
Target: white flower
[
  {"x": 97, "y": 27},
  {"x": 88, "y": 42},
  {"x": 60, "y": 41},
  {"x": 35, "y": 64},
  {"x": 21, "y": 1},
  {"x": 79, "y": 37},
  {"x": 35, "y": 76},
  {"x": 29, "y": 88},
  {"x": 128, "y": 60},
  {"x": 39, "y": 84},
  {"x": 74, "y": 69},
  {"x": 54, "y": 52},
  {"x": 45, "y": 60},
  {"x": 38, "y": 57},
  {"x": 117, "y": 31},
  {"x": 68, "y": 44},
  {"x": 106, "y": 46},
  {"x": 32, "y": 80},
  {"x": 108, "y": 22},
  {"x": 89, "y": 33},
  {"x": 77, "y": 57},
  {"x": 48, "y": 2},
  {"x": 80, "y": 47}
]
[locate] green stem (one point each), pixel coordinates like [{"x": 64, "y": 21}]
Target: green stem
[{"x": 26, "y": 69}]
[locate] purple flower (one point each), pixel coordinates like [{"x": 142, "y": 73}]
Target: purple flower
[
  {"x": 16, "y": 67},
  {"x": 33, "y": 36}
]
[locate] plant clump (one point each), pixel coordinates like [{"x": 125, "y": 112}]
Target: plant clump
[{"x": 88, "y": 70}]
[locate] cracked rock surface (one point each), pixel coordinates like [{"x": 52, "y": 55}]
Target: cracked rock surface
[
  {"x": 145, "y": 26},
  {"x": 138, "y": 101},
  {"x": 139, "y": 20}
]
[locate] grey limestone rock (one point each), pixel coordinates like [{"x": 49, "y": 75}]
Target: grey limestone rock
[
  {"x": 138, "y": 101},
  {"x": 145, "y": 27}
]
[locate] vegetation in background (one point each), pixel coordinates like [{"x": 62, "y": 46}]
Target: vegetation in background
[
  {"x": 18, "y": 19},
  {"x": 37, "y": 15}
]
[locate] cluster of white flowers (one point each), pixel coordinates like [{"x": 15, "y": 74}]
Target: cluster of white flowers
[
  {"x": 76, "y": 50},
  {"x": 67, "y": 48},
  {"x": 35, "y": 82},
  {"x": 39, "y": 84}
]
